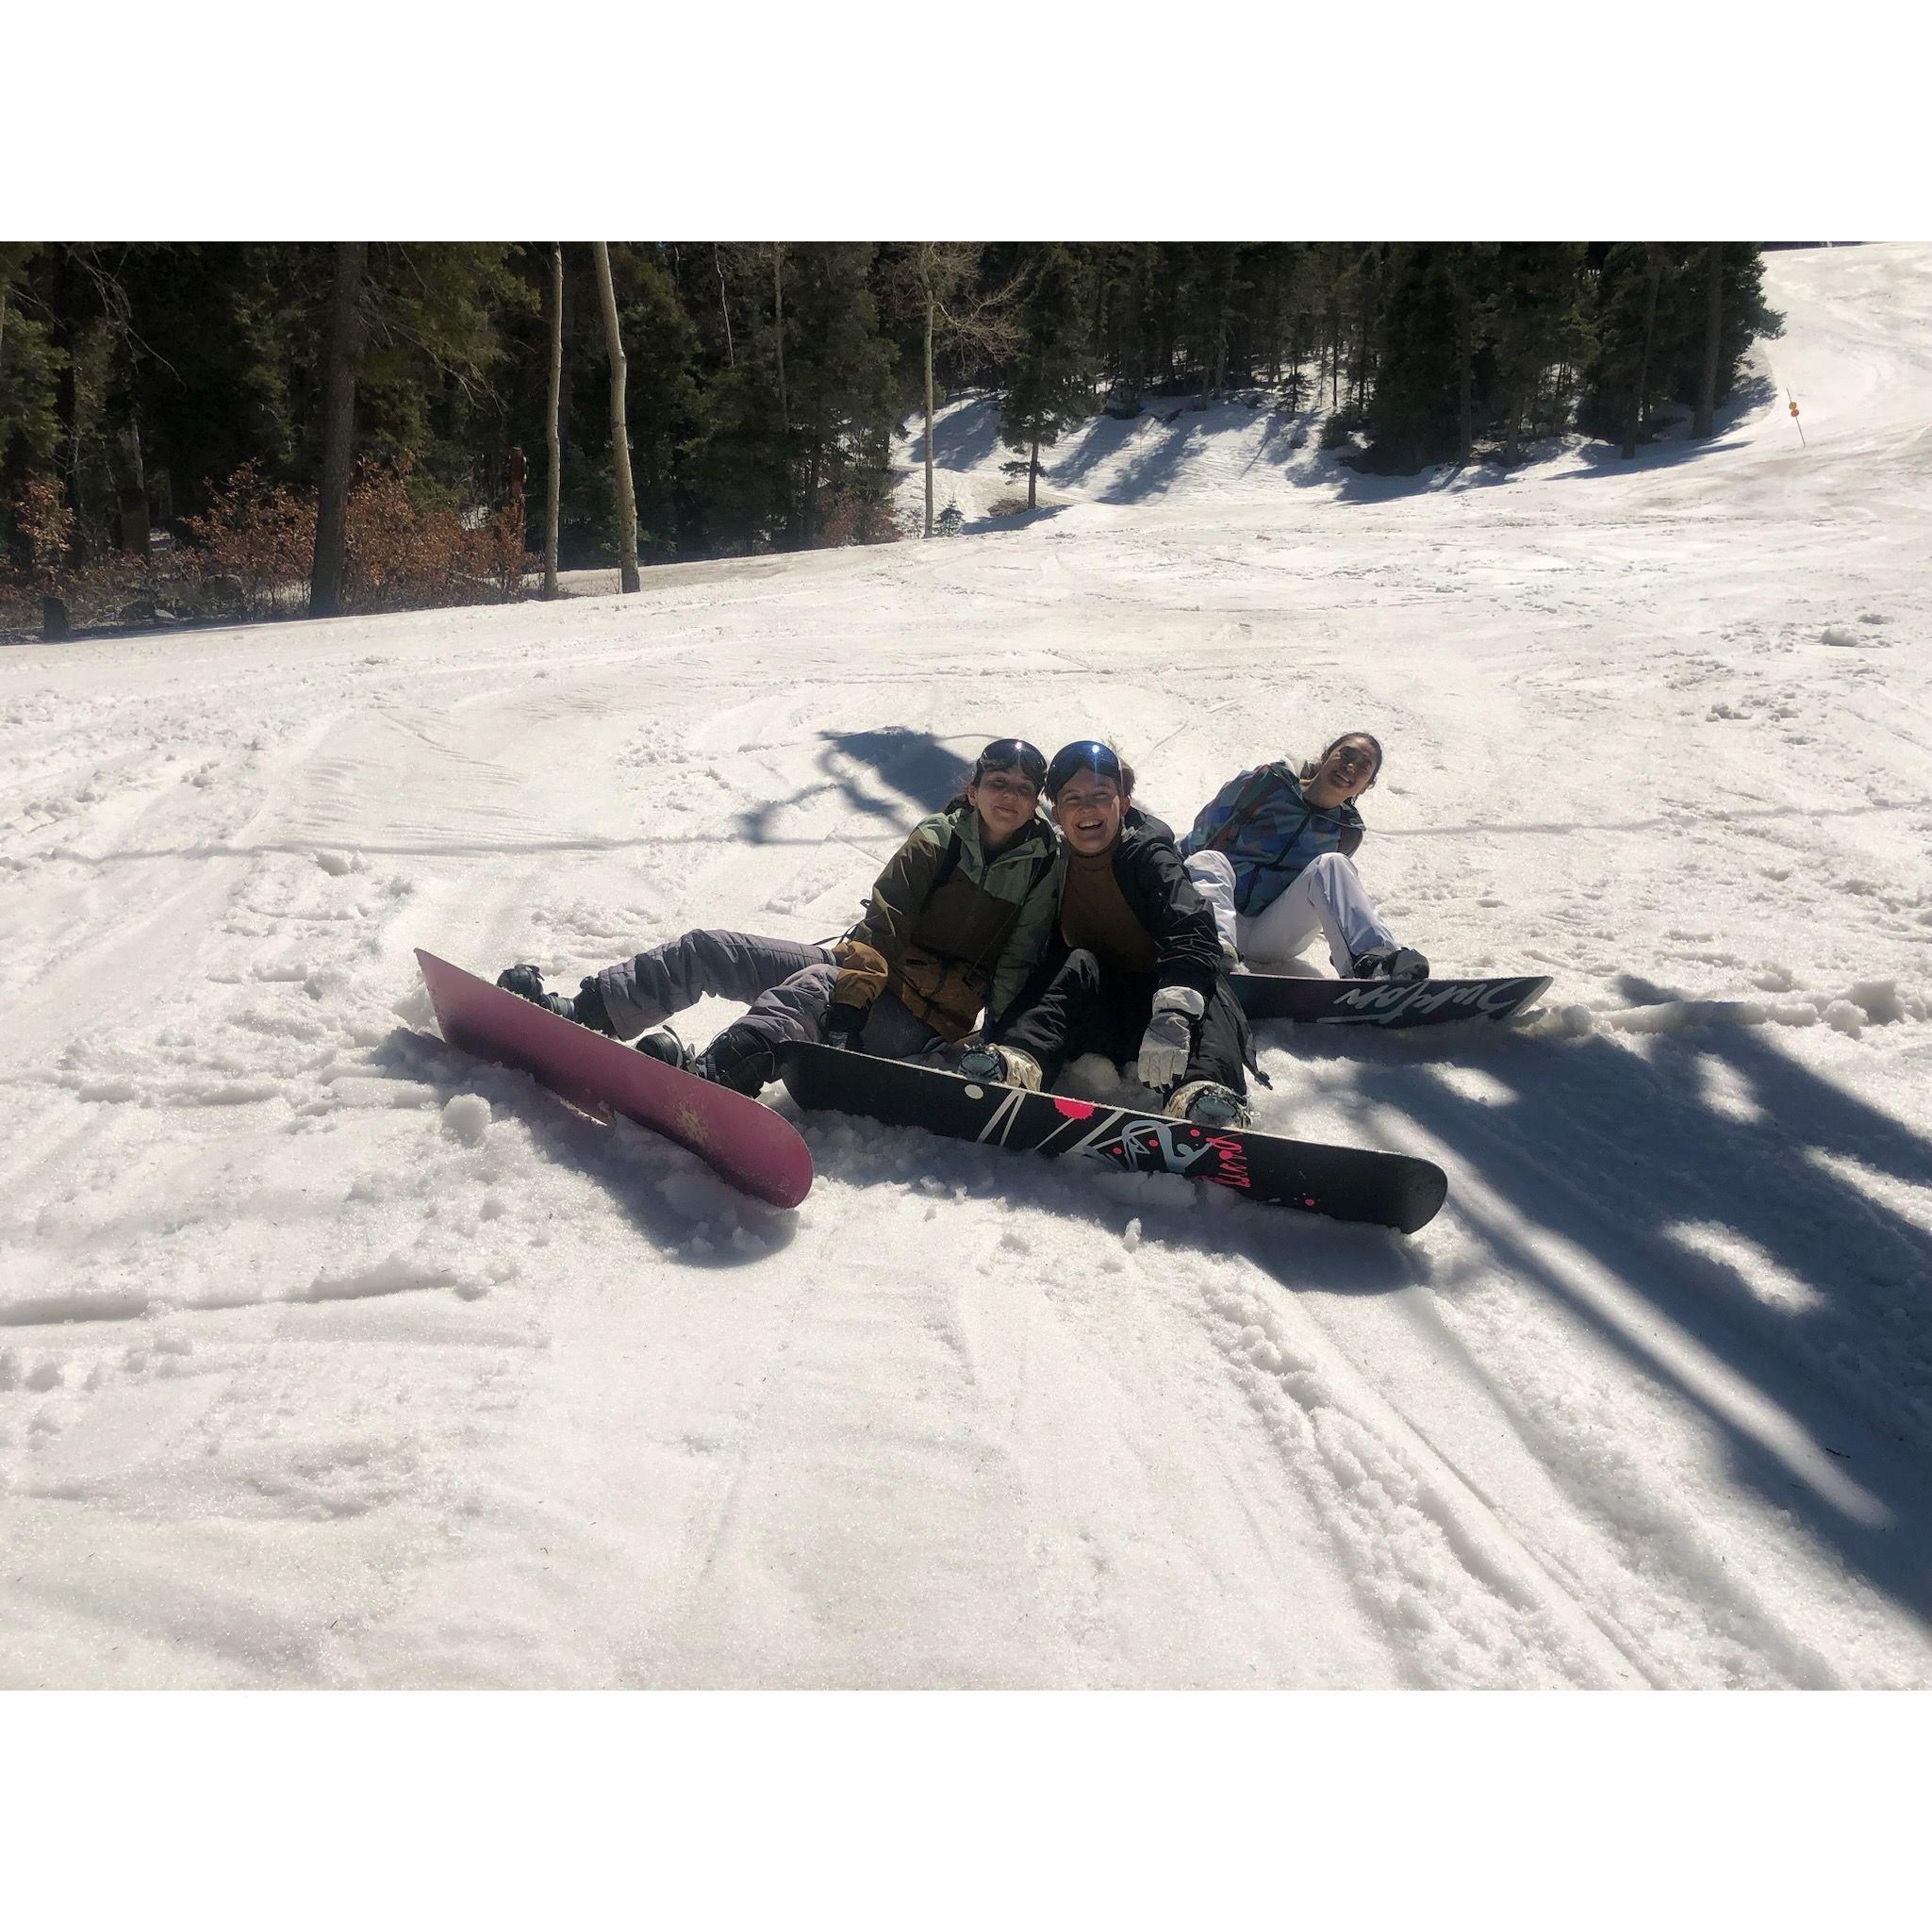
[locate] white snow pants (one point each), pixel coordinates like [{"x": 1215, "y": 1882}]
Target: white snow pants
[{"x": 1327, "y": 896}]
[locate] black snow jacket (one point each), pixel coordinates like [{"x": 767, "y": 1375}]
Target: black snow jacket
[{"x": 1148, "y": 869}]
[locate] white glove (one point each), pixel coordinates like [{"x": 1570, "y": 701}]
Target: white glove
[{"x": 1165, "y": 1046}]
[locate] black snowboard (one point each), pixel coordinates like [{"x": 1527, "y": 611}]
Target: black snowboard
[
  {"x": 1351, "y": 1183},
  {"x": 1381, "y": 1003}
]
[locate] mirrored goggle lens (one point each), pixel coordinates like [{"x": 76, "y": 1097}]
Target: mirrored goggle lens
[
  {"x": 1015, "y": 754},
  {"x": 1087, "y": 754}
]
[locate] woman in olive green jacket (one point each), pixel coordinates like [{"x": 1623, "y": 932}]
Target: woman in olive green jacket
[{"x": 957, "y": 921}]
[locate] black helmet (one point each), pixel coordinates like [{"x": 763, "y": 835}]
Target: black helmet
[{"x": 1084, "y": 754}]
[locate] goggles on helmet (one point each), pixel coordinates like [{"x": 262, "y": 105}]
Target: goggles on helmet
[
  {"x": 1012, "y": 754},
  {"x": 1084, "y": 754}
]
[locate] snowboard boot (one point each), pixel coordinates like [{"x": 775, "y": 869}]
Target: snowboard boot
[
  {"x": 662, "y": 1044},
  {"x": 738, "y": 1059},
  {"x": 588, "y": 1009},
  {"x": 1401, "y": 964},
  {"x": 1208, "y": 1103},
  {"x": 1004, "y": 1063}
]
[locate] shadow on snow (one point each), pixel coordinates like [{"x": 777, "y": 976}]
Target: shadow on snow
[{"x": 1612, "y": 1147}]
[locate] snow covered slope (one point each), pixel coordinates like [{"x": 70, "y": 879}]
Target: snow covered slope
[{"x": 311, "y": 1373}]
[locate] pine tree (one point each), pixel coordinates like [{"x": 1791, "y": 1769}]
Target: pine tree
[
  {"x": 840, "y": 395},
  {"x": 1046, "y": 387}
]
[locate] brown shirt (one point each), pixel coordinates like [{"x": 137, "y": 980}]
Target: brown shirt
[{"x": 1095, "y": 914}]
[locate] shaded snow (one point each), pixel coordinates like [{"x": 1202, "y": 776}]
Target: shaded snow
[{"x": 330, "y": 1357}]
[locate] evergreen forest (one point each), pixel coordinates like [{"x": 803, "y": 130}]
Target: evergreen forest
[{"x": 198, "y": 430}]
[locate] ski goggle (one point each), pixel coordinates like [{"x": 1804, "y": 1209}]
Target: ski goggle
[
  {"x": 1012, "y": 754},
  {"x": 1084, "y": 754}
]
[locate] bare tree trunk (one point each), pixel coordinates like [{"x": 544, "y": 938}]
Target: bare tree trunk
[
  {"x": 1653, "y": 274},
  {"x": 329, "y": 571},
  {"x": 1033, "y": 473},
  {"x": 784, "y": 414},
  {"x": 3, "y": 294},
  {"x": 1224, "y": 297},
  {"x": 1466, "y": 351},
  {"x": 132, "y": 523},
  {"x": 620, "y": 433},
  {"x": 1713, "y": 336},
  {"x": 928, "y": 411},
  {"x": 1512, "y": 428},
  {"x": 724, "y": 305},
  {"x": 554, "y": 480}
]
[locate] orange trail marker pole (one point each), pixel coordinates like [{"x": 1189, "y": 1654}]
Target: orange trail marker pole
[{"x": 1802, "y": 444}]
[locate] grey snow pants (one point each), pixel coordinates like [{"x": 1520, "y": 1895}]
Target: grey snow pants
[{"x": 787, "y": 985}]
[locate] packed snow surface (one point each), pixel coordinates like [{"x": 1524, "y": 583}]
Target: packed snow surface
[{"x": 331, "y": 1357}]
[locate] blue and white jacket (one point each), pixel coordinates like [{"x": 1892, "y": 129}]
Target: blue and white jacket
[{"x": 1268, "y": 830}]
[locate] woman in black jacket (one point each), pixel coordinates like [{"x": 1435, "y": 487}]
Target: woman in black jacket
[{"x": 1135, "y": 970}]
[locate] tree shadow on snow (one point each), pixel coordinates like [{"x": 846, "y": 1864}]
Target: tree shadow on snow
[
  {"x": 1616, "y": 1149},
  {"x": 921, "y": 770}
]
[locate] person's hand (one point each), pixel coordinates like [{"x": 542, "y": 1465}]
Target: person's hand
[
  {"x": 1168, "y": 1044},
  {"x": 842, "y": 1026}
]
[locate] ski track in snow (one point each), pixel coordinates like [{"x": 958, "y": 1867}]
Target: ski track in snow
[{"x": 331, "y": 1357}]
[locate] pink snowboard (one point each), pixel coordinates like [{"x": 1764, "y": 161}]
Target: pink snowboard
[{"x": 746, "y": 1142}]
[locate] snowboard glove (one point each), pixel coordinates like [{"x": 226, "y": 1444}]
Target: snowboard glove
[
  {"x": 1169, "y": 1042},
  {"x": 1007, "y": 1064},
  {"x": 842, "y": 1026},
  {"x": 1401, "y": 964}
]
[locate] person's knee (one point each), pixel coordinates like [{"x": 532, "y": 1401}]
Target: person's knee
[
  {"x": 1083, "y": 969},
  {"x": 701, "y": 943},
  {"x": 814, "y": 980},
  {"x": 1331, "y": 865}
]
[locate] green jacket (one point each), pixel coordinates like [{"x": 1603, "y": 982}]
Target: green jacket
[{"x": 947, "y": 931}]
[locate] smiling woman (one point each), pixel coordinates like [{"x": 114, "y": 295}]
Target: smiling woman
[
  {"x": 1135, "y": 969},
  {"x": 956, "y": 922},
  {"x": 1273, "y": 854}
]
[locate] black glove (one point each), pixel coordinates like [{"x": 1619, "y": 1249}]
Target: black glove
[{"x": 842, "y": 1026}]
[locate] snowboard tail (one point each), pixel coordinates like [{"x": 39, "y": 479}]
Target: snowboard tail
[
  {"x": 1347, "y": 1183},
  {"x": 1382, "y": 1002},
  {"x": 743, "y": 1141}
]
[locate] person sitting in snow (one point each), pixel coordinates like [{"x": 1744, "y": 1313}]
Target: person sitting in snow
[
  {"x": 1135, "y": 970},
  {"x": 956, "y": 921},
  {"x": 1274, "y": 855}
]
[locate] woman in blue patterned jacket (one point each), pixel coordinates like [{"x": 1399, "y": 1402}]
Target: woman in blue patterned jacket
[{"x": 1274, "y": 855}]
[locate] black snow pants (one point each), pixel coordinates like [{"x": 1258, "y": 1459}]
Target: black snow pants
[{"x": 1078, "y": 1008}]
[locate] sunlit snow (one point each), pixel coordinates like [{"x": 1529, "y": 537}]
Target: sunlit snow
[{"x": 331, "y": 1357}]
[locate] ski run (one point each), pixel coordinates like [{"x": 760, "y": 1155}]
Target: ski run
[{"x": 331, "y": 1357}]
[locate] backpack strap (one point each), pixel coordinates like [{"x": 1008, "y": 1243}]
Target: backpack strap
[{"x": 948, "y": 865}]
